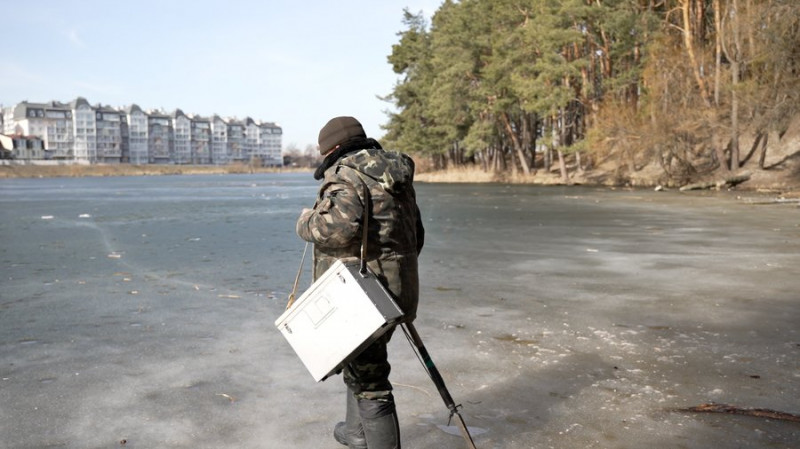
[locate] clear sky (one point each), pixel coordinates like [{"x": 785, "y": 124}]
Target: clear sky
[{"x": 294, "y": 62}]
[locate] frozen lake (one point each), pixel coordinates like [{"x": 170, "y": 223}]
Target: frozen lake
[{"x": 139, "y": 311}]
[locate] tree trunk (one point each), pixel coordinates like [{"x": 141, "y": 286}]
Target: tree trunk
[
  {"x": 513, "y": 162},
  {"x": 717, "y": 51},
  {"x": 452, "y": 154},
  {"x": 715, "y": 139},
  {"x": 759, "y": 135},
  {"x": 439, "y": 161},
  {"x": 688, "y": 40},
  {"x": 751, "y": 39},
  {"x": 562, "y": 164},
  {"x": 547, "y": 158},
  {"x": 534, "y": 132},
  {"x": 699, "y": 18},
  {"x": 528, "y": 139},
  {"x": 720, "y": 150},
  {"x": 728, "y": 181},
  {"x": 763, "y": 155},
  {"x": 516, "y": 143},
  {"x": 735, "y": 67}
]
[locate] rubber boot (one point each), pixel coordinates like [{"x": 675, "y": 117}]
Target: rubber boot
[
  {"x": 350, "y": 432},
  {"x": 379, "y": 420}
]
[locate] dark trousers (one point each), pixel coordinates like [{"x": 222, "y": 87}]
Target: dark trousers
[{"x": 368, "y": 374}]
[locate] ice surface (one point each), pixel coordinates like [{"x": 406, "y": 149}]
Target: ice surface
[{"x": 142, "y": 312}]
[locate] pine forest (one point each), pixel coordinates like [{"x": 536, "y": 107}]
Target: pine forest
[{"x": 680, "y": 89}]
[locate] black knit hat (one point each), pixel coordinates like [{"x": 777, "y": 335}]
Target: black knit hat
[{"x": 337, "y": 131}]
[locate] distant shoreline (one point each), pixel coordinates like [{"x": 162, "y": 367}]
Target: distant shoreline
[
  {"x": 453, "y": 175},
  {"x": 761, "y": 182},
  {"x": 99, "y": 170}
]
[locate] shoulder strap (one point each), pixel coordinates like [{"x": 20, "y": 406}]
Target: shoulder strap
[
  {"x": 364, "y": 225},
  {"x": 297, "y": 279}
]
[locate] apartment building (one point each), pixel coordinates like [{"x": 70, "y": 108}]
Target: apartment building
[
  {"x": 80, "y": 132},
  {"x": 136, "y": 121},
  {"x": 108, "y": 122},
  {"x": 201, "y": 140},
  {"x": 237, "y": 141},
  {"x": 159, "y": 137},
  {"x": 270, "y": 137},
  {"x": 84, "y": 130},
  {"x": 219, "y": 132},
  {"x": 23, "y": 147},
  {"x": 51, "y": 122},
  {"x": 182, "y": 138},
  {"x": 251, "y": 130}
]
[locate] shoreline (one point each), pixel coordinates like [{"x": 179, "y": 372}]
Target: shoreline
[
  {"x": 785, "y": 186},
  {"x": 100, "y": 170},
  {"x": 762, "y": 183}
]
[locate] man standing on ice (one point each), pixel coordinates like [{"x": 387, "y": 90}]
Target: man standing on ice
[{"x": 395, "y": 238}]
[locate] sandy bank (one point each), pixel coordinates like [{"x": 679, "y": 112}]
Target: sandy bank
[{"x": 784, "y": 183}]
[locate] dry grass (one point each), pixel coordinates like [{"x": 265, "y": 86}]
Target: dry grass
[
  {"x": 477, "y": 175},
  {"x": 456, "y": 175}
]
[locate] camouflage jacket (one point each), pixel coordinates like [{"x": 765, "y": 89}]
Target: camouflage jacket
[{"x": 395, "y": 231}]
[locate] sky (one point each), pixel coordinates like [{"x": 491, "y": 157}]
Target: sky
[{"x": 293, "y": 62}]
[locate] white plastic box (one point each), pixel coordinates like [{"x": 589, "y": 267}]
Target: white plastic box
[{"x": 334, "y": 320}]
